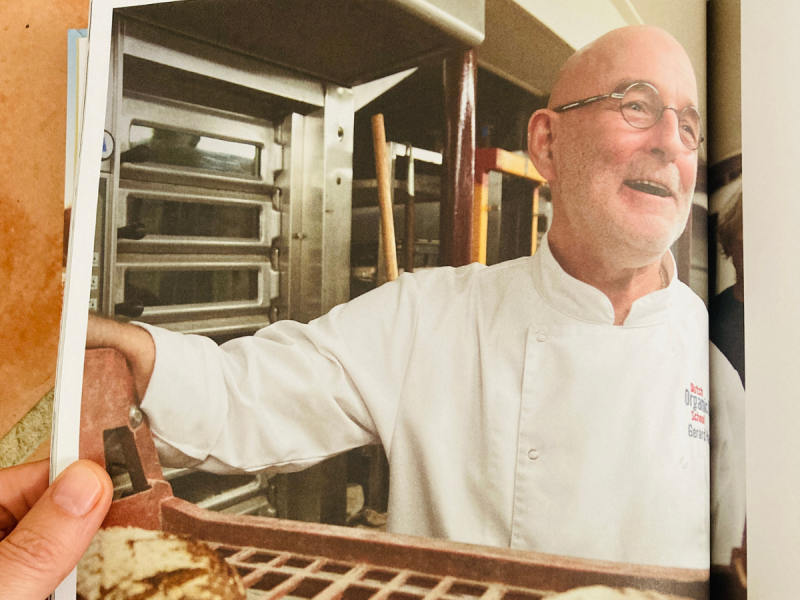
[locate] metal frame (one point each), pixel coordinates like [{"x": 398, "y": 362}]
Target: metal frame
[
  {"x": 395, "y": 150},
  {"x": 303, "y": 190},
  {"x": 150, "y": 111},
  {"x": 269, "y": 220},
  {"x": 336, "y": 215},
  {"x": 155, "y": 44},
  {"x": 489, "y": 160},
  {"x": 304, "y": 185},
  {"x": 97, "y": 293},
  {"x": 114, "y": 101},
  {"x": 268, "y": 284}
]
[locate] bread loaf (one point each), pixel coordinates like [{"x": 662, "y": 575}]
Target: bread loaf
[
  {"x": 601, "y": 592},
  {"x": 127, "y": 562}
]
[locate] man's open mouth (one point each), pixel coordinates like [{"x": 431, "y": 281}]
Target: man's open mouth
[{"x": 649, "y": 187}]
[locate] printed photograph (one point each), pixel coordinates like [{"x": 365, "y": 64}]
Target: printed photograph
[{"x": 405, "y": 300}]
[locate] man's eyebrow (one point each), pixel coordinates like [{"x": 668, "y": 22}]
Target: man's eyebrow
[{"x": 626, "y": 83}]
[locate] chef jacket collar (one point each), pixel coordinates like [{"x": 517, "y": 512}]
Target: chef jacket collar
[{"x": 581, "y": 301}]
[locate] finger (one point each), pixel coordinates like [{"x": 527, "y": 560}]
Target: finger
[
  {"x": 20, "y": 488},
  {"x": 47, "y": 543}
]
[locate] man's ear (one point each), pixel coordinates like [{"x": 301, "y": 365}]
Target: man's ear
[{"x": 540, "y": 142}]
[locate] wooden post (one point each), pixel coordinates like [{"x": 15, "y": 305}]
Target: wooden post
[
  {"x": 480, "y": 216},
  {"x": 388, "y": 246},
  {"x": 458, "y": 179}
]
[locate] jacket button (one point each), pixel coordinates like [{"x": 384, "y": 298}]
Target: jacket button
[
  {"x": 533, "y": 454},
  {"x": 541, "y": 336}
]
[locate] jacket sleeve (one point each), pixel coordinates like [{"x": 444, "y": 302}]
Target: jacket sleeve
[{"x": 289, "y": 396}]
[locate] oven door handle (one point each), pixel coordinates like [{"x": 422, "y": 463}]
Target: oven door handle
[
  {"x": 133, "y": 231},
  {"x": 129, "y": 308}
]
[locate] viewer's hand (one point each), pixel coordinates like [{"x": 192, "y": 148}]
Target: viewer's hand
[{"x": 44, "y": 531}]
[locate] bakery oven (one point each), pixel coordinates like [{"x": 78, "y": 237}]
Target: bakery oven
[
  {"x": 196, "y": 224},
  {"x": 224, "y": 206},
  {"x": 222, "y": 189},
  {"x": 229, "y": 139},
  {"x": 226, "y": 180}
]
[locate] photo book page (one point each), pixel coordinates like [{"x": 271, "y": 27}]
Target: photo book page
[{"x": 527, "y": 410}]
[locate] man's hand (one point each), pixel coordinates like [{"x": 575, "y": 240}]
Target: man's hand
[
  {"x": 44, "y": 531},
  {"x": 135, "y": 343}
]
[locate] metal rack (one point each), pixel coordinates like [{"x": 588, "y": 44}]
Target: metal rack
[
  {"x": 226, "y": 195},
  {"x": 416, "y": 201},
  {"x": 274, "y": 575}
]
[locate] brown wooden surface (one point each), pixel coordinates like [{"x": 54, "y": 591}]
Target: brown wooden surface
[
  {"x": 388, "y": 244},
  {"x": 458, "y": 179},
  {"x": 33, "y": 107},
  {"x": 497, "y": 159},
  {"x": 106, "y": 403},
  {"x": 531, "y": 570}
]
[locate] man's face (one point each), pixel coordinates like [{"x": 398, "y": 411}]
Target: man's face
[{"x": 624, "y": 189}]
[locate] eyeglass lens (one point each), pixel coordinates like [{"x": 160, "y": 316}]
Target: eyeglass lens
[{"x": 641, "y": 107}]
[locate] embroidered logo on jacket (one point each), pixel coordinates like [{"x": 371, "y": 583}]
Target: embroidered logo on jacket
[{"x": 694, "y": 399}]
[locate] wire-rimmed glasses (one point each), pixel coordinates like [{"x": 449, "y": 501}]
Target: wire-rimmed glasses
[{"x": 641, "y": 107}]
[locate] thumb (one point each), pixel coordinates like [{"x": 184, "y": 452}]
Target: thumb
[{"x": 48, "y": 542}]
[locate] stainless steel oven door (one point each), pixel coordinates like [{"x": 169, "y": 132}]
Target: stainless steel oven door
[
  {"x": 163, "y": 219},
  {"x": 179, "y": 143},
  {"x": 169, "y": 288}
]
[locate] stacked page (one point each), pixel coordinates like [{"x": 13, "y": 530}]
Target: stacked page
[{"x": 279, "y": 422}]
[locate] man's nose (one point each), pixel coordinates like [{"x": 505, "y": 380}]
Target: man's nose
[{"x": 666, "y": 139}]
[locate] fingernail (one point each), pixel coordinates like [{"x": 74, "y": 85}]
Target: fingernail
[{"x": 77, "y": 490}]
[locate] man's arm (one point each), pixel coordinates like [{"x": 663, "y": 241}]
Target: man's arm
[
  {"x": 135, "y": 343},
  {"x": 286, "y": 398}
]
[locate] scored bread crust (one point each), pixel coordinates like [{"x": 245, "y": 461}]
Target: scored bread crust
[
  {"x": 601, "y": 592},
  {"x": 128, "y": 563}
]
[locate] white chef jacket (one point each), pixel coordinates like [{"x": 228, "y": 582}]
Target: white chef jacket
[
  {"x": 728, "y": 477},
  {"x": 512, "y": 411}
]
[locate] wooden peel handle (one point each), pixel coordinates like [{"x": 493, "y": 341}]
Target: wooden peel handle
[{"x": 388, "y": 246}]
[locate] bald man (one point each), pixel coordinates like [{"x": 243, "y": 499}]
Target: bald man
[
  {"x": 621, "y": 191},
  {"x": 553, "y": 403}
]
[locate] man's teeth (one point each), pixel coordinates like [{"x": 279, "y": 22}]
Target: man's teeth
[{"x": 649, "y": 187}]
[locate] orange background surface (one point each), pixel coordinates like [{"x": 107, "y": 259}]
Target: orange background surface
[{"x": 33, "y": 106}]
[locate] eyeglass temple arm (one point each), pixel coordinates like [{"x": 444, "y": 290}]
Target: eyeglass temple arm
[{"x": 580, "y": 103}]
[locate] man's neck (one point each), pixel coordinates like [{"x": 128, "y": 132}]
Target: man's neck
[{"x": 622, "y": 285}]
